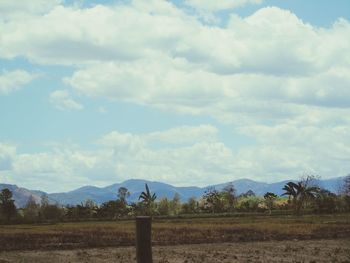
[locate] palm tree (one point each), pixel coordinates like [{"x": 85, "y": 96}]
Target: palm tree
[
  {"x": 148, "y": 199},
  {"x": 308, "y": 192},
  {"x": 291, "y": 189},
  {"x": 299, "y": 193}
]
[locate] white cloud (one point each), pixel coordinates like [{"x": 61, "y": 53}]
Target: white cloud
[
  {"x": 181, "y": 159},
  {"x": 181, "y": 135},
  {"x": 184, "y": 134},
  {"x": 69, "y": 35},
  {"x": 185, "y": 155},
  {"x": 7, "y": 154},
  {"x": 122, "y": 142},
  {"x": 291, "y": 148},
  {"x": 219, "y": 5},
  {"x": 282, "y": 82},
  {"x": 191, "y": 154},
  {"x": 10, "y": 9},
  {"x": 56, "y": 170},
  {"x": 14, "y": 80},
  {"x": 151, "y": 83},
  {"x": 258, "y": 64},
  {"x": 62, "y": 100}
]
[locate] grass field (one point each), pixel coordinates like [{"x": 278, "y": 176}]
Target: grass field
[{"x": 174, "y": 231}]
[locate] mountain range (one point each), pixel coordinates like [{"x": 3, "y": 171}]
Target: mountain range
[{"x": 136, "y": 186}]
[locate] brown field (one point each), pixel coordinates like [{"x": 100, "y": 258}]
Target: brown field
[
  {"x": 230, "y": 239},
  {"x": 310, "y": 251}
]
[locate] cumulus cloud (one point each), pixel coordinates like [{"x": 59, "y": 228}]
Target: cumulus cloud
[
  {"x": 14, "y": 80},
  {"x": 219, "y": 5},
  {"x": 60, "y": 169},
  {"x": 181, "y": 135},
  {"x": 185, "y": 155},
  {"x": 120, "y": 156},
  {"x": 21, "y": 9},
  {"x": 69, "y": 35},
  {"x": 62, "y": 100},
  {"x": 259, "y": 64},
  {"x": 291, "y": 148},
  {"x": 7, "y": 154},
  {"x": 164, "y": 58},
  {"x": 279, "y": 81}
]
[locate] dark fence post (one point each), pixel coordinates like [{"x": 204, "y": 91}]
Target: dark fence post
[{"x": 143, "y": 239}]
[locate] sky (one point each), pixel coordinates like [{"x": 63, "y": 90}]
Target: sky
[{"x": 187, "y": 92}]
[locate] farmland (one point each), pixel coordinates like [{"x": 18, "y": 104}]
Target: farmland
[
  {"x": 172, "y": 234},
  {"x": 268, "y": 251}
]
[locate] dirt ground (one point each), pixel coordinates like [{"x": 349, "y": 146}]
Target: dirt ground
[{"x": 268, "y": 251}]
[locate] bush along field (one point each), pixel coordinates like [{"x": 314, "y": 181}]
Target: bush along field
[{"x": 304, "y": 212}]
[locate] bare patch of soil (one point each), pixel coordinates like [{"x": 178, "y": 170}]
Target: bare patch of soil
[{"x": 269, "y": 251}]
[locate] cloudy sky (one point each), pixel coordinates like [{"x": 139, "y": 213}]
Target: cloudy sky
[{"x": 188, "y": 92}]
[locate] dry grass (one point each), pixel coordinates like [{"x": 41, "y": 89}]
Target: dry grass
[{"x": 174, "y": 231}]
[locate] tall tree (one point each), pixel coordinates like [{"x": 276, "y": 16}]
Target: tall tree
[
  {"x": 123, "y": 194},
  {"x": 346, "y": 185},
  {"x": 290, "y": 189},
  {"x": 164, "y": 206},
  {"x": 175, "y": 204},
  {"x": 113, "y": 209},
  {"x": 44, "y": 200},
  {"x": 269, "y": 200},
  {"x": 229, "y": 193},
  {"x": 301, "y": 192},
  {"x": 31, "y": 210},
  {"x": 191, "y": 206},
  {"x": 50, "y": 212},
  {"x": 213, "y": 200},
  {"x": 92, "y": 207},
  {"x": 325, "y": 201},
  {"x": 7, "y": 204}
]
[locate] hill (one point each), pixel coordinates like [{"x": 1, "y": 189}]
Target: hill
[
  {"x": 21, "y": 195},
  {"x": 136, "y": 186}
]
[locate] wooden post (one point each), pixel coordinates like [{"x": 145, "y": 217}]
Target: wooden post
[{"x": 143, "y": 239}]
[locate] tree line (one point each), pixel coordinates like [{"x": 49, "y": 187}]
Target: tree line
[{"x": 298, "y": 198}]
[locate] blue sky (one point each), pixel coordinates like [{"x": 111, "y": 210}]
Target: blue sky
[{"x": 185, "y": 92}]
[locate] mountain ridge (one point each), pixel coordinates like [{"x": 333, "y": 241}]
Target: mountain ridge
[{"x": 136, "y": 186}]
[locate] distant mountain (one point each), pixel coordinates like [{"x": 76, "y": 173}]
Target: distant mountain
[
  {"x": 135, "y": 187},
  {"x": 244, "y": 185},
  {"x": 21, "y": 195},
  {"x": 99, "y": 195}
]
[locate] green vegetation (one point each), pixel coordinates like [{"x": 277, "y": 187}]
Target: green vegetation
[
  {"x": 303, "y": 197},
  {"x": 148, "y": 201},
  {"x": 7, "y": 205},
  {"x": 269, "y": 200},
  {"x": 301, "y": 192}
]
